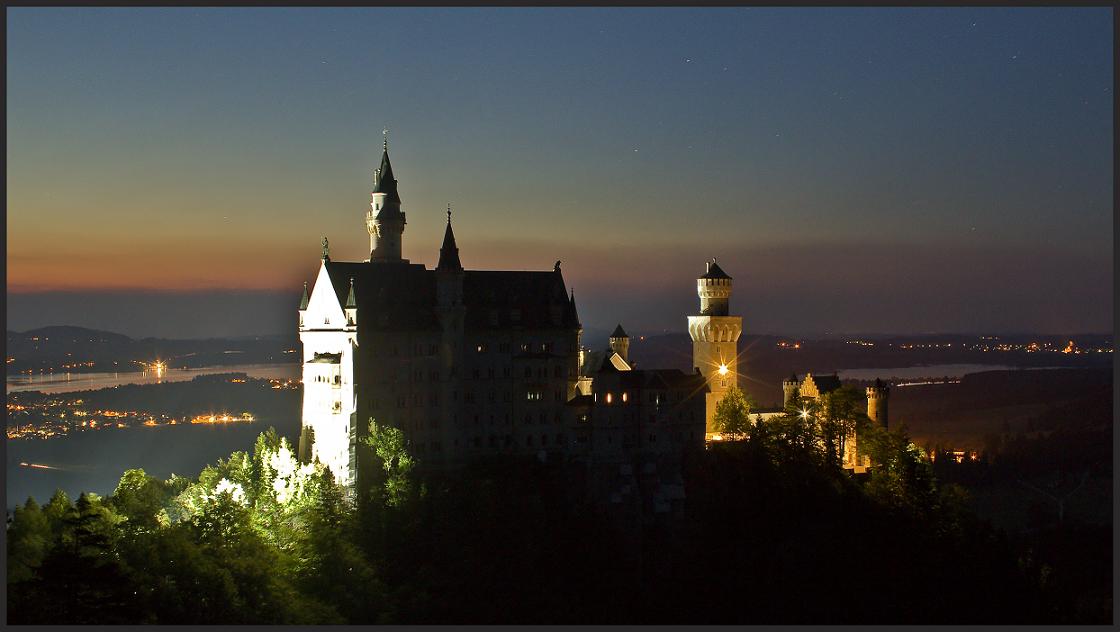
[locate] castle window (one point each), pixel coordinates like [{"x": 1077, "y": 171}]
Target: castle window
[
  {"x": 558, "y": 372},
  {"x": 546, "y": 347},
  {"x": 474, "y": 374},
  {"x": 559, "y": 439},
  {"x": 419, "y": 375},
  {"x": 493, "y": 441},
  {"x": 336, "y": 407},
  {"x": 490, "y": 372},
  {"x": 507, "y": 396},
  {"x": 559, "y": 396},
  {"x": 478, "y": 442},
  {"x": 431, "y": 350},
  {"x": 529, "y": 440},
  {"x": 544, "y": 439},
  {"x": 493, "y": 317},
  {"x": 493, "y": 396},
  {"x": 515, "y": 315},
  {"x": 480, "y": 348},
  {"x": 609, "y": 398},
  {"x": 624, "y": 396},
  {"x": 507, "y": 371},
  {"x": 528, "y": 372},
  {"x": 524, "y": 347}
]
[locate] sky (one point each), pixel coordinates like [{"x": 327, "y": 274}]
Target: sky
[{"x": 171, "y": 171}]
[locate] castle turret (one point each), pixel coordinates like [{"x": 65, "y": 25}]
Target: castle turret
[
  {"x": 351, "y": 308},
  {"x": 790, "y": 389},
  {"x": 877, "y": 397},
  {"x": 385, "y": 221},
  {"x": 620, "y": 343},
  {"x": 715, "y": 336},
  {"x": 303, "y": 304}
]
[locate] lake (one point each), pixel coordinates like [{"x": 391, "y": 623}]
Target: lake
[
  {"x": 68, "y": 382},
  {"x": 930, "y": 370},
  {"x": 94, "y": 461}
]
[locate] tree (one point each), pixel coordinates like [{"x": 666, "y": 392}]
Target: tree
[
  {"x": 840, "y": 414},
  {"x": 139, "y": 498},
  {"x": 732, "y": 414},
  {"x": 396, "y": 464},
  {"x": 29, "y": 537}
]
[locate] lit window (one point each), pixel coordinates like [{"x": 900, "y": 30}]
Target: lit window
[
  {"x": 609, "y": 398},
  {"x": 624, "y": 398}
]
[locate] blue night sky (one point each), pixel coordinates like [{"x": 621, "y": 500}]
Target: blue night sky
[{"x": 856, "y": 170}]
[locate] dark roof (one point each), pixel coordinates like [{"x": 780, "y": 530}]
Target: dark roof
[
  {"x": 449, "y": 252},
  {"x": 386, "y": 183},
  {"x": 792, "y": 377},
  {"x": 619, "y": 333},
  {"x": 327, "y": 358},
  {"x": 303, "y": 299},
  {"x": 715, "y": 272},
  {"x": 826, "y": 383},
  {"x": 402, "y": 296},
  {"x": 571, "y": 315},
  {"x": 500, "y": 300}
]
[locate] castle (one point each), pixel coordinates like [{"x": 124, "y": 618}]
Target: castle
[{"x": 470, "y": 363}]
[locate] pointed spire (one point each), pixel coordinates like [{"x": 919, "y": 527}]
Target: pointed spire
[
  {"x": 619, "y": 333},
  {"x": 303, "y": 299},
  {"x": 449, "y": 252},
  {"x": 385, "y": 182},
  {"x": 572, "y": 315},
  {"x": 351, "y": 302}
]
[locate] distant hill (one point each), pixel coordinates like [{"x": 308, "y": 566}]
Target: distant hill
[{"x": 79, "y": 349}]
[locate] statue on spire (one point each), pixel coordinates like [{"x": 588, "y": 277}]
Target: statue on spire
[
  {"x": 385, "y": 141},
  {"x": 326, "y": 249}
]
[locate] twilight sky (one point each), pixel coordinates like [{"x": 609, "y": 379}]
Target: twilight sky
[{"x": 171, "y": 170}]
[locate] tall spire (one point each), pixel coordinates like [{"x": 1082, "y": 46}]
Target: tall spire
[
  {"x": 303, "y": 299},
  {"x": 385, "y": 182},
  {"x": 351, "y": 302},
  {"x": 449, "y": 252}
]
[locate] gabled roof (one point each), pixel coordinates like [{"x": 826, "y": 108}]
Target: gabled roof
[
  {"x": 619, "y": 333},
  {"x": 825, "y": 383},
  {"x": 715, "y": 272}
]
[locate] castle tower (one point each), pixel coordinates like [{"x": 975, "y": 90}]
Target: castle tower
[
  {"x": 877, "y": 397},
  {"x": 620, "y": 343},
  {"x": 452, "y": 315},
  {"x": 790, "y": 389},
  {"x": 385, "y": 221},
  {"x": 715, "y": 335}
]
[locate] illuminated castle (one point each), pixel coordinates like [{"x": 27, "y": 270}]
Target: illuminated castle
[{"x": 471, "y": 362}]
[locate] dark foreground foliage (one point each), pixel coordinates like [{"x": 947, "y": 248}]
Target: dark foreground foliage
[{"x": 771, "y": 531}]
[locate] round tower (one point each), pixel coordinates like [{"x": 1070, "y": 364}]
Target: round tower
[
  {"x": 385, "y": 221},
  {"x": 790, "y": 388},
  {"x": 620, "y": 343},
  {"x": 877, "y": 397},
  {"x": 715, "y": 336},
  {"x": 714, "y": 289}
]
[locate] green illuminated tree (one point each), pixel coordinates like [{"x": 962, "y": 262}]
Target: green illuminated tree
[
  {"x": 395, "y": 463},
  {"x": 732, "y": 414},
  {"x": 139, "y": 498}
]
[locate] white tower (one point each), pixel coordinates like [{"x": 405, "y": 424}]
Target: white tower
[
  {"x": 715, "y": 335},
  {"x": 385, "y": 221}
]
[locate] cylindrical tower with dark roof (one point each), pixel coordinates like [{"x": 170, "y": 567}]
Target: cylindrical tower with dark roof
[
  {"x": 620, "y": 343},
  {"x": 877, "y": 397},
  {"x": 715, "y": 337},
  {"x": 385, "y": 221}
]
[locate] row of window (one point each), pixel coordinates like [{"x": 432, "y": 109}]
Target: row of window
[
  {"x": 431, "y": 349},
  {"x": 624, "y": 397},
  {"x": 469, "y": 398}
]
